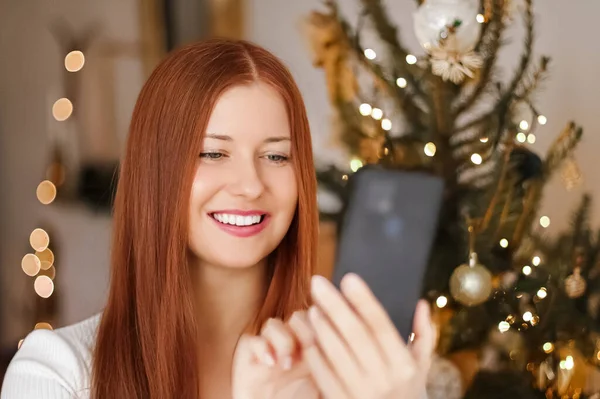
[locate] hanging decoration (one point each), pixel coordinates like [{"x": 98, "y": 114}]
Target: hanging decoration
[
  {"x": 471, "y": 284},
  {"x": 449, "y": 30}
]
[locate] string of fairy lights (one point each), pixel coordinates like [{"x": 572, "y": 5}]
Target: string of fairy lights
[
  {"x": 524, "y": 135},
  {"x": 40, "y": 263}
]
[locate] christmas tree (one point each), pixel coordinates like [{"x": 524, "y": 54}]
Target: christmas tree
[{"x": 526, "y": 303}]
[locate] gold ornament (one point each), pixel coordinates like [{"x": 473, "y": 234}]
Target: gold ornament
[
  {"x": 571, "y": 174},
  {"x": 575, "y": 284},
  {"x": 471, "y": 284}
]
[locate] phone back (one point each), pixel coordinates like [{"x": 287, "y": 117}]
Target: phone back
[{"x": 386, "y": 236}]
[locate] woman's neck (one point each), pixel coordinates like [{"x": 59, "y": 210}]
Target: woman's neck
[{"x": 227, "y": 300}]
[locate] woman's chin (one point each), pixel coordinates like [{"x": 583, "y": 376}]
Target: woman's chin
[{"x": 240, "y": 262}]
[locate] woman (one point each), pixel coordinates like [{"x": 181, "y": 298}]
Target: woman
[{"x": 214, "y": 239}]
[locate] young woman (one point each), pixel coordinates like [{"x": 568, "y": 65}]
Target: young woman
[{"x": 214, "y": 239}]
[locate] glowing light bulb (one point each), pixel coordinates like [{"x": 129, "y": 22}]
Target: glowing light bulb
[
  {"x": 365, "y": 109},
  {"x": 31, "y": 265},
  {"x": 542, "y": 293},
  {"x": 441, "y": 301},
  {"x": 542, "y": 120},
  {"x": 46, "y": 192},
  {"x": 548, "y": 347},
  {"x": 370, "y": 54},
  {"x": 569, "y": 363},
  {"x": 536, "y": 260},
  {"x": 476, "y": 159},
  {"x": 39, "y": 240},
  {"x": 480, "y": 18},
  {"x": 401, "y": 82},
  {"x": 503, "y": 326},
  {"x": 411, "y": 59},
  {"x": 524, "y": 125},
  {"x": 377, "y": 114},
  {"x": 430, "y": 149},
  {"x": 527, "y": 270},
  {"x": 484, "y": 139},
  {"x": 521, "y": 137},
  {"x": 74, "y": 61},
  {"x": 531, "y": 138},
  {"x": 356, "y": 164},
  {"x": 62, "y": 109},
  {"x": 545, "y": 221},
  {"x": 43, "y": 326},
  {"x": 386, "y": 124},
  {"x": 504, "y": 243},
  {"x": 44, "y": 286},
  {"x": 527, "y": 316}
]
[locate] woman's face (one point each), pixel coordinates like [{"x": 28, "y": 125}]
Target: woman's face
[{"x": 244, "y": 193}]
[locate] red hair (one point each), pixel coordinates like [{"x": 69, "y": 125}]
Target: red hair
[{"x": 146, "y": 347}]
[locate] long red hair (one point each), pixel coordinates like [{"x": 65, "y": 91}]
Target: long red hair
[{"x": 146, "y": 347}]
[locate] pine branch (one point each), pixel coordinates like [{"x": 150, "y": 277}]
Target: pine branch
[
  {"x": 404, "y": 101},
  {"x": 489, "y": 45},
  {"x": 531, "y": 202},
  {"x": 528, "y": 50},
  {"x": 528, "y": 86},
  {"x": 499, "y": 187},
  {"x": 402, "y": 97},
  {"x": 444, "y": 120},
  {"x": 502, "y": 107},
  {"x": 389, "y": 34},
  {"x": 580, "y": 223},
  {"x": 562, "y": 147}
]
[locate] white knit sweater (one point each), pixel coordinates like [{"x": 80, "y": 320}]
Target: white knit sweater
[{"x": 53, "y": 364}]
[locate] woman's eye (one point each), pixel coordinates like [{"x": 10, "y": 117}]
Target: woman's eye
[
  {"x": 277, "y": 158},
  {"x": 211, "y": 155}
]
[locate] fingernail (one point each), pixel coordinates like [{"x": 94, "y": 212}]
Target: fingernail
[
  {"x": 286, "y": 363},
  {"x": 352, "y": 281},
  {"x": 268, "y": 360},
  {"x": 318, "y": 284}
]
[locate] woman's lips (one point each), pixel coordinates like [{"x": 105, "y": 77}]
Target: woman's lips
[{"x": 240, "y": 223}]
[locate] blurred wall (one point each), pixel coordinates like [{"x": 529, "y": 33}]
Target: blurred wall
[
  {"x": 30, "y": 80},
  {"x": 30, "y": 73}
]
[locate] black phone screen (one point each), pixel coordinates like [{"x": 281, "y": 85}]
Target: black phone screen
[{"x": 386, "y": 236}]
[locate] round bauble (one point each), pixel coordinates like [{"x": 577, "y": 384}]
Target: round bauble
[
  {"x": 437, "y": 20},
  {"x": 471, "y": 284}
]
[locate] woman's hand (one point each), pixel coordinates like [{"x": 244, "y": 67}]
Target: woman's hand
[
  {"x": 354, "y": 351},
  {"x": 270, "y": 366}
]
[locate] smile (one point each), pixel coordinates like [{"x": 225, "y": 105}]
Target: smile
[
  {"x": 240, "y": 223},
  {"x": 238, "y": 220}
]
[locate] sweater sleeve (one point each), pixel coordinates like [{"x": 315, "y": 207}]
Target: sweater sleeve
[{"x": 47, "y": 366}]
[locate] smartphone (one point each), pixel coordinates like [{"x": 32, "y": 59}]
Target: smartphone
[{"x": 386, "y": 235}]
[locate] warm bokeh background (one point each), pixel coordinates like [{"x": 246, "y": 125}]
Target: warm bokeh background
[{"x": 121, "y": 41}]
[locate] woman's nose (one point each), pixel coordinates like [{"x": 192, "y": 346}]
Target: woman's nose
[{"x": 246, "y": 180}]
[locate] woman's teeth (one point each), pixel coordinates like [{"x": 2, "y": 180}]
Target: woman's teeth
[{"x": 237, "y": 220}]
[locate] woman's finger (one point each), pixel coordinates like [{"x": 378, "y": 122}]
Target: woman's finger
[
  {"x": 338, "y": 355},
  {"x": 349, "y": 325},
  {"x": 423, "y": 345},
  {"x": 376, "y": 318},
  {"x": 253, "y": 350},
  {"x": 326, "y": 380},
  {"x": 281, "y": 340}
]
